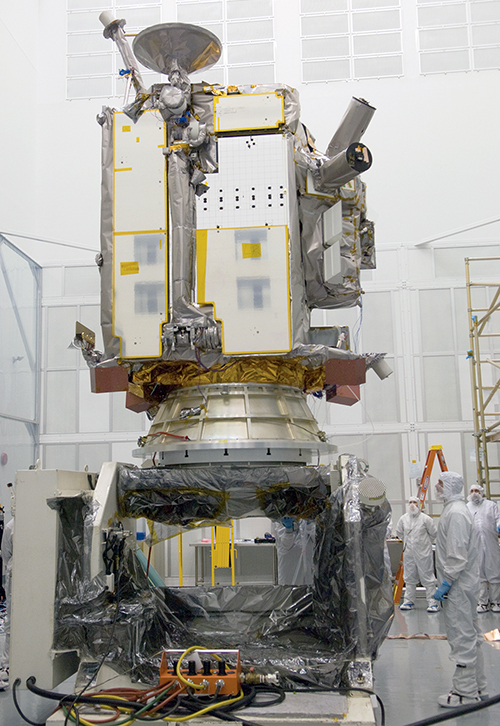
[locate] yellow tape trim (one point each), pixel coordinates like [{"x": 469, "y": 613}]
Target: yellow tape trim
[{"x": 201, "y": 262}]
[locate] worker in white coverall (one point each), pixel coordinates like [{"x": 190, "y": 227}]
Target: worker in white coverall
[
  {"x": 418, "y": 532},
  {"x": 487, "y": 523},
  {"x": 457, "y": 565}
]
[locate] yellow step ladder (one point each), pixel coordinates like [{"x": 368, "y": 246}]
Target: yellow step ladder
[{"x": 422, "y": 492}]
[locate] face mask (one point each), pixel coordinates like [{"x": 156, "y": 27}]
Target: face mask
[
  {"x": 439, "y": 492},
  {"x": 413, "y": 509},
  {"x": 476, "y": 498}
]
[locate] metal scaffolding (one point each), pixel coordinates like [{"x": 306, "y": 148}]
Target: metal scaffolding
[{"x": 483, "y": 303}]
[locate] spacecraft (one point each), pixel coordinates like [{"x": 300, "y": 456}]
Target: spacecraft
[{"x": 222, "y": 228}]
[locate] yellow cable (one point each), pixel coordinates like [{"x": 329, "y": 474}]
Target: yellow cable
[
  {"x": 212, "y": 707},
  {"x": 204, "y": 710},
  {"x": 197, "y": 686}
]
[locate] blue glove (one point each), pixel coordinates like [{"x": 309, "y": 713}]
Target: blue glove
[
  {"x": 287, "y": 522},
  {"x": 498, "y": 528},
  {"x": 442, "y": 591}
]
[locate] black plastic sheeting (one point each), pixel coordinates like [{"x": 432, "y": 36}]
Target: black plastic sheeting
[
  {"x": 127, "y": 628},
  {"x": 183, "y": 495},
  {"x": 309, "y": 634}
]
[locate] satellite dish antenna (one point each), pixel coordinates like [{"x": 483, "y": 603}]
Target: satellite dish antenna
[{"x": 167, "y": 46}]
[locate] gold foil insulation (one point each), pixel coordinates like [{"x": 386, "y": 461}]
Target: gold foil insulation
[{"x": 155, "y": 380}]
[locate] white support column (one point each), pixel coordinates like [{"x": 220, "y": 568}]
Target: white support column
[{"x": 34, "y": 576}]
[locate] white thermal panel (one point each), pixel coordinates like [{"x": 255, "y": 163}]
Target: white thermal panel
[
  {"x": 139, "y": 234},
  {"x": 251, "y": 187},
  {"x": 245, "y": 274},
  {"x": 139, "y": 174},
  {"x": 139, "y": 293},
  {"x": 247, "y": 112}
]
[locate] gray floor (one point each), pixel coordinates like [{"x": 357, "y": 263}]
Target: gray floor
[{"x": 409, "y": 675}]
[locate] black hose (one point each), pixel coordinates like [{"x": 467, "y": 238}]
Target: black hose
[
  {"x": 459, "y": 711},
  {"x": 279, "y": 693},
  {"x": 16, "y": 685}
]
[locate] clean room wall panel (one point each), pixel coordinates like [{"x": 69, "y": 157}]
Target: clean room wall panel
[
  {"x": 441, "y": 392},
  {"x": 98, "y": 64},
  {"x": 93, "y": 408},
  {"x": 141, "y": 17},
  {"x": 89, "y": 43},
  {"x": 59, "y": 332},
  {"x": 376, "y": 20},
  {"x": 485, "y": 12},
  {"x": 60, "y": 456},
  {"x": 83, "y": 20},
  {"x": 93, "y": 456},
  {"x": 420, "y": 264},
  {"x": 248, "y": 8},
  {"x": 384, "y": 454},
  {"x": 370, "y": 44},
  {"x": 249, "y": 30},
  {"x": 199, "y": 13},
  {"x": 380, "y": 398},
  {"x": 435, "y": 316},
  {"x": 125, "y": 420},
  {"x": 377, "y": 66},
  {"x": 322, "y": 6},
  {"x": 486, "y": 34},
  {"x": 52, "y": 281},
  {"x": 325, "y": 24},
  {"x": 485, "y": 58},
  {"x": 122, "y": 452},
  {"x": 249, "y": 53},
  {"x": 442, "y": 14},
  {"x": 450, "y": 261},
  {"x": 445, "y": 61},
  {"x": 325, "y": 47},
  {"x": 377, "y": 327},
  {"x": 60, "y": 402},
  {"x": 86, "y": 4},
  {"x": 251, "y": 74},
  {"x": 461, "y": 320},
  {"x": 97, "y": 87}
]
